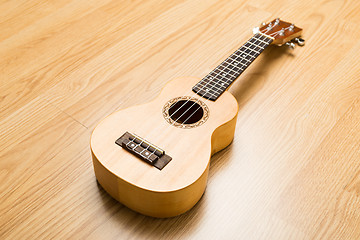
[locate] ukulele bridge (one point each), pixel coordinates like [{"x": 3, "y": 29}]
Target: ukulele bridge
[{"x": 144, "y": 150}]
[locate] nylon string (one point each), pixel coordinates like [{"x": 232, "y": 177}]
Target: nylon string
[{"x": 193, "y": 96}]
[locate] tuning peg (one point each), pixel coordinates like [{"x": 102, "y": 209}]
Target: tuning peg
[
  {"x": 300, "y": 41},
  {"x": 291, "y": 45},
  {"x": 277, "y": 21},
  {"x": 291, "y": 27}
]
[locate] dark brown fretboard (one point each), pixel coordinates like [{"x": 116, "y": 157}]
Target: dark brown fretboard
[{"x": 219, "y": 79}]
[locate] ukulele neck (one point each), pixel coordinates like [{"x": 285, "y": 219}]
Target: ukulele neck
[{"x": 219, "y": 79}]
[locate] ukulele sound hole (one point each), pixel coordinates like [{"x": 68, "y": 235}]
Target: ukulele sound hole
[{"x": 186, "y": 112}]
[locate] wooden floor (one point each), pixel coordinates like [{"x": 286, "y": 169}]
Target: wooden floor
[{"x": 292, "y": 171}]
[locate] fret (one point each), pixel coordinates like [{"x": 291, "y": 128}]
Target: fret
[
  {"x": 241, "y": 59},
  {"x": 262, "y": 40},
  {"x": 219, "y": 83},
  {"x": 213, "y": 91},
  {"x": 218, "y": 88},
  {"x": 219, "y": 79},
  {"x": 231, "y": 71},
  {"x": 267, "y": 39},
  {"x": 235, "y": 58},
  {"x": 208, "y": 93},
  {"x": 258, "y": 42},
  {"x": 240, "y": 69},
  {"x": 216, "y": 78},
  {"x": 241, "y": 54},
  {"x": 251, "y": 49},
  {"x": 235, "y": 66},
  {"x": 254, "y": 44},
  {"x": 218, "y": 70},
  {"x": 250, "y": 44},
  {"x": 238, "y": 64},
  {"x": 209, "y": 89},
  {"x": 244, "y": 55},
  {"x": 247, "y": 53},
  {"x": 244, "y": 62},
  {"x": 225, "y": 77},
  {"x": 227, "y": 69},
  {"x": 224, "y": 74},
  {"x": 225, "y": 84}
]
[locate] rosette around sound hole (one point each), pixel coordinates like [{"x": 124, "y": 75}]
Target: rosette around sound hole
[{"x": 185, "y": 112}]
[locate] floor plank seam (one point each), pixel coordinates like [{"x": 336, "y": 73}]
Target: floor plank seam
[{"x": 58, "y": 108}]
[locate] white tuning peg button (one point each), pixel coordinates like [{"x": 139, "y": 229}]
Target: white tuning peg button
[
  {"x": 291, "y": 28},
  {"x": 290, "y": 45},
  {"x": 300, "y": 41}
]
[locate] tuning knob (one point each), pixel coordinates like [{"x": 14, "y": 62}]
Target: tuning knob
[
  {"x": 277, "y": 21},
  {"x": 291, "y": 27},
  {"x": 300, "y": 41},
  {"x": 291, "y": 45}
]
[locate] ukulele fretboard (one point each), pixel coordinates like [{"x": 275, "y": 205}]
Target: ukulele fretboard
[{"x": 219, "y": 79}]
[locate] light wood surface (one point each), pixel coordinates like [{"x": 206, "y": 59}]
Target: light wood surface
[{"x": 292, "y": 171}]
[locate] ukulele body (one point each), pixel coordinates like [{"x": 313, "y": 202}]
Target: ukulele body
[{"x": 181, "y": 183}]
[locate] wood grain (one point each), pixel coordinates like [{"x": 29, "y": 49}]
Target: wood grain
[{"x": 292, "y": 171}]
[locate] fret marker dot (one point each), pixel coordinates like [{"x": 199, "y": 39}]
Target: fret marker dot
[
  {"x": 146, "y": 153},
  {"x": 132, "y": 144}
]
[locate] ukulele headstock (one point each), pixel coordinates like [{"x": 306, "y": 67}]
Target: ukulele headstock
[{"x": 282, "y": 32}]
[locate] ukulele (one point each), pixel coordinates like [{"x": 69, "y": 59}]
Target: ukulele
[{"x": 154, "y": 158}]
